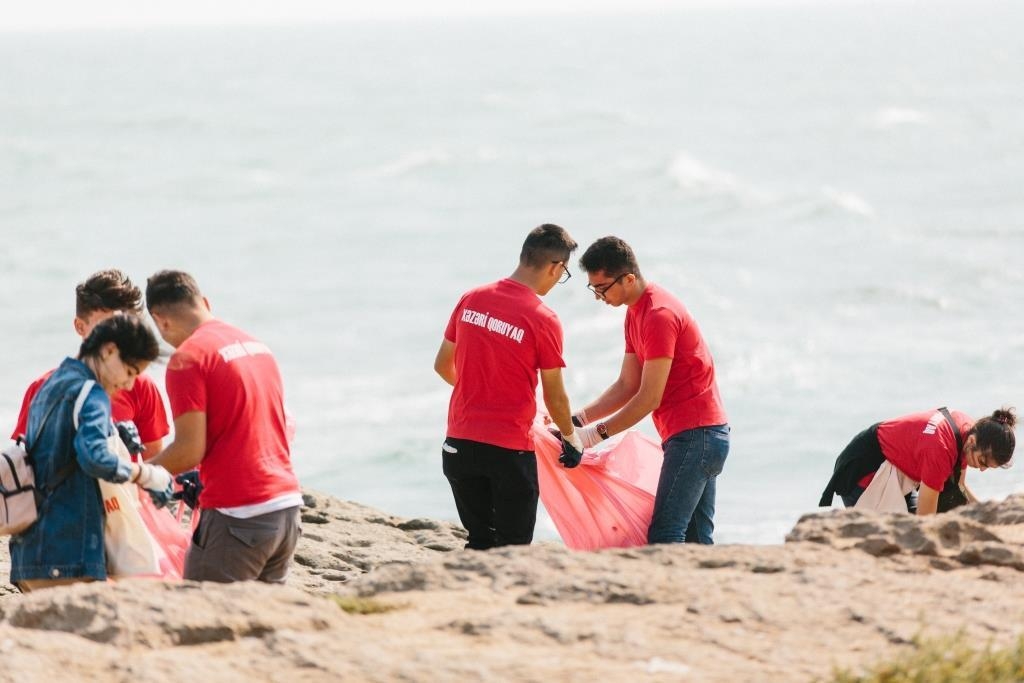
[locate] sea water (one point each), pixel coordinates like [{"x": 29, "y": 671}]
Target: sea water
[{"x": 833, "y": 190}]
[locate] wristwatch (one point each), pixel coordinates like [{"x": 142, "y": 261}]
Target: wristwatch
[{"x": 602, "y": 430}]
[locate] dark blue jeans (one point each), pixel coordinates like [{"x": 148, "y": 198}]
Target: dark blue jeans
[{"x": 684, "y": 508}]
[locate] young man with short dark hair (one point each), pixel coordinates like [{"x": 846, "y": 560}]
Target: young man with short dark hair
[
  {"x": 228, "y": 405},
  {"x": 668, "y": 371},
  {"x": 498, "y": 338},
  {"x": 101, "y": 296}
]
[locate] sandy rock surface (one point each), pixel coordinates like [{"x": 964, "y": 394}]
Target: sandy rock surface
[{"x": 847, "y": 589}]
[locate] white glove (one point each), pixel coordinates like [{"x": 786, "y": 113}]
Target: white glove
[
  {"x": 580, "y": 419},
  {"x": 574, "y": 440},
  {"x": 588, "y": 436},
  {"x": 153, "y": 477}
]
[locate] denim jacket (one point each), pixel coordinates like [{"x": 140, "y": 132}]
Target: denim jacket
[{"x": 67, "y": 539}]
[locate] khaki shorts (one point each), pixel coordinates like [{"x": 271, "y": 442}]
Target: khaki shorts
[{"x": 226, "y": 549}]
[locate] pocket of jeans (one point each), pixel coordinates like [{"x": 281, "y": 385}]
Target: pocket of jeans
[{"x": 716, "y": 448}]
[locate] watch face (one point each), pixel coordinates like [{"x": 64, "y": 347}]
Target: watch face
[{"x": 602, "y": 429}]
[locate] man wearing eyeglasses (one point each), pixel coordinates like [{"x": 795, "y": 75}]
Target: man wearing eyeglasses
[
  {"x": 668, "y": 371},
  {"x": 498, "y": 338}
]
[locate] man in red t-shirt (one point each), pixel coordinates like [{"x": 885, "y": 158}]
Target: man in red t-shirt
[
  {"x": 228, "y": 405},
  {"x": 667, "y": 372},
  {"x": 102, "y": 295},
  {"x": 498, "y": 338}
]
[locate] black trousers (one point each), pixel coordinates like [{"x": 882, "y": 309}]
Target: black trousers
[{"x": 495, "y": 491}]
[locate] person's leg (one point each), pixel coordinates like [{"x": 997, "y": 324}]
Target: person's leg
[
  {"x": 850, "y": 499},
  {"x": 516, "y": 491},
  {"x": 280, "y": 560},
  {"x": 226, "y": 549},
  {"x": 680, "y": 487},
  {"x": 461, "y": 462},
  {"x": 716, "y": 448}
]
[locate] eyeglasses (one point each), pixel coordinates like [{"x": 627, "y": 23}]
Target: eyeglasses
[
  {"x": 601, "y": 290},
  {"x": 566, "y": 276}
]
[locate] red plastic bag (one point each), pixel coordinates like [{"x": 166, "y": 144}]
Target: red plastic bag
[{"x": 608, "y": 500}]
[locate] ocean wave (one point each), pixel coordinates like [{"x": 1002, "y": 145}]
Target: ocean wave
[
  {"x": 410, "y": 162},
  {"x": 702, "y": 181},
  {"x": 890, "y": 117},
  {"x": 848, "y": 201}
]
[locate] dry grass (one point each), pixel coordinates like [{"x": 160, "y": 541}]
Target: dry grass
[{"x": 952, "y": 660}]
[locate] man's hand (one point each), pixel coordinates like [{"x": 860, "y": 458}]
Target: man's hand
[
  {"x": 157, "y": 482},
  {"x": 190, "y": 488},
  {"x": 129, "y": 434},
  {"x": 572, "y": 453},
  {"x": 589, "y": 436}
]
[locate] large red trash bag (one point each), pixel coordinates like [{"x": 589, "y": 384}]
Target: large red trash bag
[{"x": 608, "y": 500}]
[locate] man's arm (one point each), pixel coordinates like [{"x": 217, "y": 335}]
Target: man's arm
[
  {"x": 444, "y": 363},
  {"x": 151, "y": 447},
  {"x": 971, "y": 498},
  {"x": 619, "y": 393},
  {"x": 556, "y": 400},
  {"x": 652, "y": 387},
  {"x": 927, "y": 500},
  {"x": 189, "y": 445}
]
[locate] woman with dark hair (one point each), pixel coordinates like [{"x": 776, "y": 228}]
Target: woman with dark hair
[
  {"x": 69, "y": 426},
  {"x": 925, "y": 450}
]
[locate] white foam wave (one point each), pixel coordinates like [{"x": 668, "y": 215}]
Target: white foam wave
[
  {"x": 890, "y": 117},
  {"x": 410, "y": 162},
  {"x": 702, "y": 181},
  {"x": 848, "y": 201}
]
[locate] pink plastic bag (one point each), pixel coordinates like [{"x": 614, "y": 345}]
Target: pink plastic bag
[
  {"x": 608, "y": 500},
  {"x": 169, "y": 536}
]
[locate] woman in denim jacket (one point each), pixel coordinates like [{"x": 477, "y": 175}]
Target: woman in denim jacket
[{"x": 65, "y": 545}]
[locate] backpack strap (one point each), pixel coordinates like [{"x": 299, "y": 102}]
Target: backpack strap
[
  {"x": 955, "y": 475},
  {"x": 65, "y": 471}
]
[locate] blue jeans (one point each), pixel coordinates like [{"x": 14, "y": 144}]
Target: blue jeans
[{"x": 684, "y": 508}]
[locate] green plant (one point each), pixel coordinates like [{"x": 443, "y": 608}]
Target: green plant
[
  {"x": 950, "y": 660},
  {"x": 354, "y": 605}
]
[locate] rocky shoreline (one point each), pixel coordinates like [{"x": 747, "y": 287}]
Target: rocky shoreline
[{"x": 847, "y": 589}]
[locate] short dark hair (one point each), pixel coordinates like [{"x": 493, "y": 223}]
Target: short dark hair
[
  {"x": 610, "y": 255},
  {"x": 546, "y": 243},
  {"x": 107, "y": 290},
  {"x": 134, "y": 339},
  {"x": 171, "y": 288},
  {"x": 995, "y": 434}
]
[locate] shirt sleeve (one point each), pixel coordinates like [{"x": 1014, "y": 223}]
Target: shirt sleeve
[
  {"x": 451, "y": 329},
  {"x": 150, "y": 414},
  {"x": 661, "y": 330},
  {"x": 30, "y": 393},
  {"x": 186, "y": 385},
  {"x": 937, "y": 454},
  {"x": 91, "y": 449},
  {"x": 549, "y": 344}
]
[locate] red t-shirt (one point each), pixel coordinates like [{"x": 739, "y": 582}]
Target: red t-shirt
[
  {"x": 141, "y": 404},
  {"x": 923, "y": 445},
  {"x": 234, "y": 379},
  {"x": 659, "y": 326},
  {"x": 503, "y": 334}
]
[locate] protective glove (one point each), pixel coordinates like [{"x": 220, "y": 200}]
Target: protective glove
[
  {"x": 572, "y": 452},
  {"x": 589, "y": 436},
  {"x": 190, "y": 488},
  {"x": 157, "y": 482},
  {"x": 580, "y": 419},
  {"x": 129, "y": 434}
]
